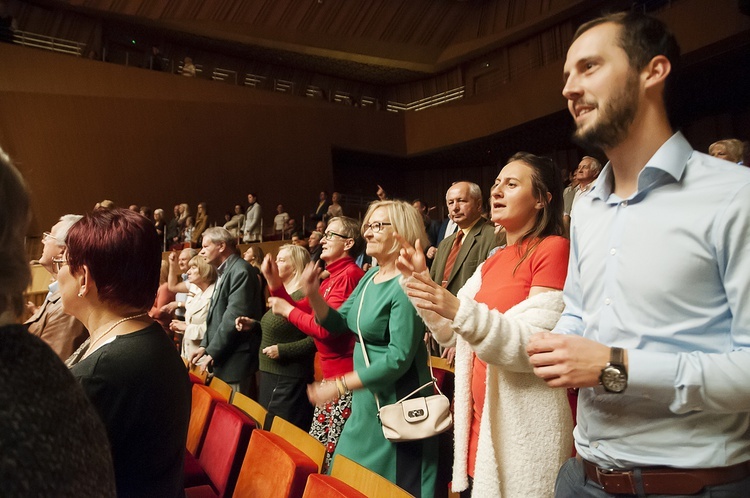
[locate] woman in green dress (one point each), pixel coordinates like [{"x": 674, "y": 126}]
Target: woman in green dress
[{"x": 393, "y": 336}]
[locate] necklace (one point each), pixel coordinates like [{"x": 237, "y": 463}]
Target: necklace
[{"x": 111, "y": 328}]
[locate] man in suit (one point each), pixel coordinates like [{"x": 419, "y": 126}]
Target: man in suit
[
  {"x": 253, "y": 225},
  {"x": 476, "y": 237},
  {"x": 233, "y": 354},
  {"x": 49, "y": 322}
]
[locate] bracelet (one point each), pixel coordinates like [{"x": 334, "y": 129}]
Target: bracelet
[
  {"x": 346, "y": 388},
  {"x": 340, "y": 386}
]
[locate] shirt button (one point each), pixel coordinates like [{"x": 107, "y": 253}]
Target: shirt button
[
  {"x": 613, "y": 251},
  {"x": 608, "y": 301},
  {"x": 595, "y": 444},
  {"x": 624, "y": 203}
]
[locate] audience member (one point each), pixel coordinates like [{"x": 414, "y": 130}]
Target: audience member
[
  {"x": 511, "y": 432},
  {"x": 134, "y": 208},
  {"x": 290, "y": 228},
  {"x": 655, "y": 327},
  {"x": 62, "y": 332},
  {"x": 280, "y": 220},
  {"x": 314, "y": 246},
  {"x": 431, "y": 227},
  {"x": 172, "y": 233},
  {"x": 237, "y": 221},
  {"x": 177, "y": 307},
  {"x": 299, "y": 240},
  {"x": 105, "y": 204},
  {"x": 286, "y": 354},
  {"x": 729, "y": 149},
  {"x": 52, "y": 441},
  {"x": 201, "y": 223},
  {"x": 188, "y": 68},
  {"x": 155, "y": 61},
  {"x": 253, "y": 220},
  {"x": 146, "y": 212},
  {"x": 187, "y": 231},
  {"x": 397, "y": 361},
  {"x": 320, "y": 227},
  {"x": 129, "y": 370},
  {"x": 459, "y": 255},
  {"x": 164, "y": 296},
  {"x": 335, "y": 210},
  {"x": 160, "y": 226},
  {"x": 232, "y": 355},
  {"x": 254, "y": 255},
  {"x": 343, "y": 241},
  {"x": 322, "y": 209},
  {"x": 198, "y": 288}
]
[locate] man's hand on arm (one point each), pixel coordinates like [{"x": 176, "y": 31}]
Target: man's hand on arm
[{"x": 567, "y": 360}]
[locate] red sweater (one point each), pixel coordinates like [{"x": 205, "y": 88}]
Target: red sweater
[{"x": 335, "y": 350}]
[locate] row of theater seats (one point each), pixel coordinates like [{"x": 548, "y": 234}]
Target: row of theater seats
[{"x": 234, "y": 448}]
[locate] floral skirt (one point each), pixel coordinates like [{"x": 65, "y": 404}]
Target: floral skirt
[{"x": 328, "y": 422}]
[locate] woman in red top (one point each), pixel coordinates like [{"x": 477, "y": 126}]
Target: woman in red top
[
  {"x": 511, "y": 432},
  {"x": 342, "y": 242}
]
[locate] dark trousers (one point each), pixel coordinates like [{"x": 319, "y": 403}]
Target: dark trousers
[
  {"x": 286, "y": 397},
  {"x": 572, "y": 483}
]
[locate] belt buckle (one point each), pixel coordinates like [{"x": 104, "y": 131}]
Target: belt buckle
[{"x": 616, "y": 481}]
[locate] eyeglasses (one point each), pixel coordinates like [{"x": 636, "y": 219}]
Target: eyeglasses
[
  {"x": 375, "y": 226},
  {"x": 46, "y": 236},
  {"x": 59, "y": 263},
  {"x": 329, "y": 235}
]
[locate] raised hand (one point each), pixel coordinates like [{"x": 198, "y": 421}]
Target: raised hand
[
  {"x": 430, "y": 296},
  {"x": 271, "y": 271},
  {"x": 411, "y": 258}
]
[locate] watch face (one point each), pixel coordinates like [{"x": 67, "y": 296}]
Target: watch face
[{"x": 614, "y": 380}]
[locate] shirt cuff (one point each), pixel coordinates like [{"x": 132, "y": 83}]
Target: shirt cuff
[{"x": 652, "y": 375}]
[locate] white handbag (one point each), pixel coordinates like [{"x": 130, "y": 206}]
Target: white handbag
[{"x": 412, "y": 417}]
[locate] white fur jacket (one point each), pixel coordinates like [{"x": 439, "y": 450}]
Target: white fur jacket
[{"x": 526, "y": 427}]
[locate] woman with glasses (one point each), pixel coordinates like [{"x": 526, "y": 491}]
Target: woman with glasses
[
  {"x": 129, "y": 369},
  {"x": 392, "y": 332},
  {"x": 512, "y": 433},
  {"x": 342, "y": 242}
]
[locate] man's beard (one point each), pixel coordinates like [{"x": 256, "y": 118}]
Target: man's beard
[{"x": 615, "y": 118}]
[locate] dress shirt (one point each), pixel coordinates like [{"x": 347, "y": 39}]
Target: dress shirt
[{"x": 665, "y": 274}]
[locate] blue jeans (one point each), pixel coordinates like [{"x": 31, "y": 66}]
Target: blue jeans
[{"x": 572, "y": 483}]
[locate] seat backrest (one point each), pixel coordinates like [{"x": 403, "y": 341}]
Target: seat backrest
[
  {"x": 323, "y": 486},
  {"x": 224, "y": 447},
  {"x": 365, "y": 480},
  {"x": 248, "y": 405},
  {"x": 221, "y": 387},
  {"x": 273, "y": 468},
  {"x": 202, "y": 405},
  {"x": 198, "y": 372},
  {"x": 300, "y": 440}
]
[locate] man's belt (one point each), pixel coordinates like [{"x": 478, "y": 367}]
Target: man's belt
[{"x": 664, "y": 480}]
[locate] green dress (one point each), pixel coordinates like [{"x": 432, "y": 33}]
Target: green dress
[{"x": 393, "y": 334}]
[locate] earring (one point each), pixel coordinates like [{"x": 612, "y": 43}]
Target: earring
[{"x": 80, "y": 293}]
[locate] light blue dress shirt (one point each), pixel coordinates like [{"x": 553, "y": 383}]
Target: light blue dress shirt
[{"x": 665, "y": 274}]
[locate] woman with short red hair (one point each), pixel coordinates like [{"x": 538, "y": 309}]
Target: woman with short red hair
[{"x": 129, "y": 369}]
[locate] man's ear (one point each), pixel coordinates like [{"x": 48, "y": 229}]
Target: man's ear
[{"x": 656, "y": 71}]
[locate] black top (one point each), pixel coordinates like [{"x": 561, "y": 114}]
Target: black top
[
  {"x": 52, "y": 443},
  {"x": 140, "y": 387}
]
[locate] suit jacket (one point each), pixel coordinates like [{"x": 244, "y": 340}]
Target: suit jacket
[
  {"x": 252, "y": 226},
  {"x": 62, "y": 332},
  {"x": 474, "y": 250},
  {"x": 237, "y": 293}
]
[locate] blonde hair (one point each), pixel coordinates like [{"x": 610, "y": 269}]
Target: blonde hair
[
  {"x": 205, "y": 270},
  {"x": 299, "y": 257},
  {"x": 733, "y": 148},
  {"x": 405, "y": 220}
]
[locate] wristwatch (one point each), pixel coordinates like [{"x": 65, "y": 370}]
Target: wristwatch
[{"x": 614, "y": 376}]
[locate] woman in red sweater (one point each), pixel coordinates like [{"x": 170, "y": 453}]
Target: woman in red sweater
[{"x": 342, "y": 242}]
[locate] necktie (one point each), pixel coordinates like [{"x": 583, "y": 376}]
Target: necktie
[{"x": 452, "y": 257}]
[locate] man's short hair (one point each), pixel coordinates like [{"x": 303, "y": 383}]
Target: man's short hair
[
  {"x": 475, "y": 192},
  {"x": 218, "y": 235},
  {"x": 66, "y": 222},
  {"x": 351, "y": 228},
  {"x": 594, "y": 164},
  {"x": 642, "y": 38}
]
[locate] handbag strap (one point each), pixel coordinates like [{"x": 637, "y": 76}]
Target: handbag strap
[{"x": 432, "y": 380}]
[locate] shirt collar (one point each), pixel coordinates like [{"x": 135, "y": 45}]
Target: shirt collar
[{"x": 667, "y": 165}]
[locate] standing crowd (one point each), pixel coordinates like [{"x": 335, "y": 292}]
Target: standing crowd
[{"x": 613, "y": 306}]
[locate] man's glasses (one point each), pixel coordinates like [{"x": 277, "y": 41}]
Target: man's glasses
[
  {"x": 59, "y": 263},
  {"x": 46, "y": 236},
  {"x": 375, "y": 226},
  {"x": 329, "y": 235}
]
